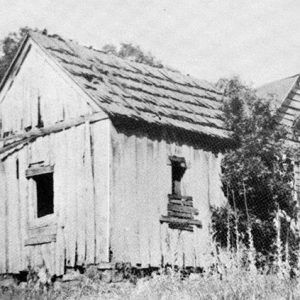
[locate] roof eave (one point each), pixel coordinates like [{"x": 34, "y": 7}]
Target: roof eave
[{"x": 13, "y": 62}]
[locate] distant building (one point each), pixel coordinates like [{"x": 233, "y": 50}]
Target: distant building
[
  {"x": 104, "y": 160},
  {"x": 284, "y": 95}
]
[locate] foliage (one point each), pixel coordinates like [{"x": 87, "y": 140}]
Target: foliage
[
  {"x": 9, "y": 46},
  {"x": 258, "y": 175},
  {"x": 134, "y": 53}
]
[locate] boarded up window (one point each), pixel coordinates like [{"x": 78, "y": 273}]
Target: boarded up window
[{"x": 180, "y": 208}]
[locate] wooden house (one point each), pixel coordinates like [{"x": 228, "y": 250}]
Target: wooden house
[{"x": 104, "y": 160}]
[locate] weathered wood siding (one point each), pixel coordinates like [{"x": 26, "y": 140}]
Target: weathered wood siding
[
  {"x": 290, "y": 109},
  {"x": 38, "y": 84},
  {"x": 78, "y": 230},
  {"x": 110, "y": 188},
  {"x": 141, "y": 182},
  {"x": 289, "y": 112}
]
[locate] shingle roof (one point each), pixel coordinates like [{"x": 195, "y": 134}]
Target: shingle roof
[{"x": 134, "y": 90}]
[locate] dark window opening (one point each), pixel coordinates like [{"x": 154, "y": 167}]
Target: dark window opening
[
  {"x": 178, "y": 170},
  {"x": 44, "y": 188}
]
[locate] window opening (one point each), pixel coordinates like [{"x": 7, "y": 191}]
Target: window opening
[
  {"x": 44, "y": 190},
  {"x": 178, "y": 169}
]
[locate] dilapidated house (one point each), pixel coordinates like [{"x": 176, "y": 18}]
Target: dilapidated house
[{"x": 104, "y": 160}]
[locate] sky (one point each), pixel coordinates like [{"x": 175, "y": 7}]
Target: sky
[{"x": 258, "y": 40}]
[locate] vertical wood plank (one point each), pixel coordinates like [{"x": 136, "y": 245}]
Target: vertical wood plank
[
  {"x": 19, "y": 210},
  {"x": 102, "y": 159},
  {"x": 165, "y": 189},
  {"x": 59, "y": 205},
  {"x": 3, "y": 217},
  {"x": 13, "y": 220},
  {"x": 116, "y": 229},
  {"x": 187, "y": 242},
  {"x": 89, "y": 197},
  {"x": 144, "y": 198},
  {"x": 139, "y": 196},
  {"x": 155, "y": 168},
  {"x": 122, "y": 210},
  {"x": 130, "y": 199},
  {"x": 70, "y": 196},
  {"x": 81, "y": 208},
  {"x": 23, "y": 164}
]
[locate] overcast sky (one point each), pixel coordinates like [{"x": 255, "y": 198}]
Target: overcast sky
[{"x": 256, "y": 39}]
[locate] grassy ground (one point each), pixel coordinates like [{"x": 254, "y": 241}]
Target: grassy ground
[
  {"x": 233, "y": 285},
  {"x": 228, "y": 275}
]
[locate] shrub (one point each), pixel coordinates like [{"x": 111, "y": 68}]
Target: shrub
[{"x": 257, "y": 176}]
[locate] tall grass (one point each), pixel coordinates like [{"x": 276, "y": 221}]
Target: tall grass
[{"x": 228, "y": 273}]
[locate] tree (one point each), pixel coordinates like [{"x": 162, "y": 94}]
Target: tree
[
  {"x": 9, "y": 46},
  {"x": 134, "y": 53},
  {"x": 110, "y": 49},
  {"x": 257, "y": 175}
]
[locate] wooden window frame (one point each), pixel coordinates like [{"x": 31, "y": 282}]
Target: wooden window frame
[
  {"x": 34, "y": 170},
  {"x": 38, "y": 170}
]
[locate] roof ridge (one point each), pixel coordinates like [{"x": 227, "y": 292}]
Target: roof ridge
[
  {"x": 57, "y": 36},
  {"x": 197, "y": 82},
  {"x": 277, "y": 80}
]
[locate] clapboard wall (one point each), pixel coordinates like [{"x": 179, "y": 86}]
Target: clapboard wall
[
  {"x": 140, "y": 184},
  {"x": 77, "y": 232}
]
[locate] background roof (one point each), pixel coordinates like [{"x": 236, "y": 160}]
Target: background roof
[{"x": 279, "y": 89}]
